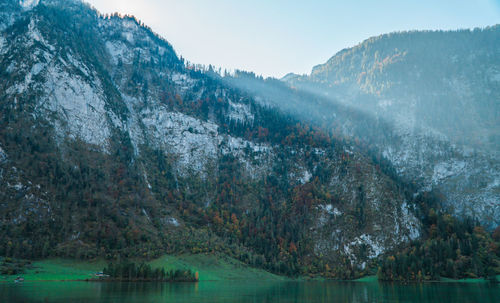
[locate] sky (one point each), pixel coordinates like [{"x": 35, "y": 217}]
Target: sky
[{"x": 275, "y": 37}]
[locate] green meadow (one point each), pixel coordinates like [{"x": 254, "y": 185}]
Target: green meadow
[
  {"x": 58, "y": 270},
  {"x": 209, "y": 268}
]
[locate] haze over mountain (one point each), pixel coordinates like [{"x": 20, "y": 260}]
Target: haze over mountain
[
  {"x": 111, "y": 145},
  {"x": 433, "y": 87}
]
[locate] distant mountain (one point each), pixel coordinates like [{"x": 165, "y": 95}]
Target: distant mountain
[
  {"x": 445, "y": 82},
  {"x": 440, "y": 91},
  {"x": 290, "y": 77},
  {"x": 110, "y": 144}
]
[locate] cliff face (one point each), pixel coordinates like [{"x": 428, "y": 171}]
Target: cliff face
[{"x": 111, "y": 145}]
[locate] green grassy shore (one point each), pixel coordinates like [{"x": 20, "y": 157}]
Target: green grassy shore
[{"x": 209, "y": 268}]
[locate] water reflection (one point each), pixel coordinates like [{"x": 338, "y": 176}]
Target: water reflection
[{"x": 246, "y": 292}]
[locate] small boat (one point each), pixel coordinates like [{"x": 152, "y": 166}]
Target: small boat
[{"x": 19, "y": 280}]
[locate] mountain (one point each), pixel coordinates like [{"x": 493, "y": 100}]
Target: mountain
[
  {"x": 111, "y": 145},
  {"x": 439, "y": 92}
]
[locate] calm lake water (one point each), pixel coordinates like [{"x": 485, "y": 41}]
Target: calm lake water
[{"x": 241, "y": 292}]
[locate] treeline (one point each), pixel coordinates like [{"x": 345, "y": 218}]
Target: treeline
[
  {"x": 10, "y": 266},
  {"x": 130, "y": 271},
  {"x": 453, "y": 249}
]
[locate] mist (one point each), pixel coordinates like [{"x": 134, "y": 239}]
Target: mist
[{"x": 436, "y": 124}]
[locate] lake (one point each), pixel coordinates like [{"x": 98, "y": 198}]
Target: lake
[{"x": 246, "y": 292}]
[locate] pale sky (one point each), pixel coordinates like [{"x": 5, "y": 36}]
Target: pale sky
[{"x": 275, "y": 37}]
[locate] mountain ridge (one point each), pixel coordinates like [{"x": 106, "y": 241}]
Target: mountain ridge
[
  {"x": 434, "y": 87},
  {"x": 115, "y": 147}
]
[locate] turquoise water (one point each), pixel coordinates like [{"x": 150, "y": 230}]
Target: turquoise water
[{"x": 246, "y": 292}]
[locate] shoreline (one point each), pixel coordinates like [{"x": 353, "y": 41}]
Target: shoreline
[
  {"x": 211, "y": 268},
  {"x": 360, "y": 280}
]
